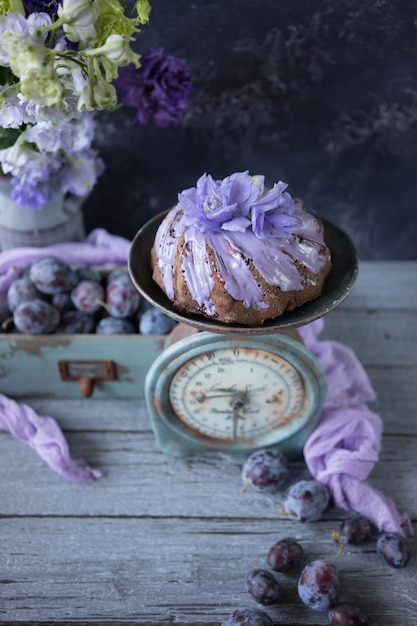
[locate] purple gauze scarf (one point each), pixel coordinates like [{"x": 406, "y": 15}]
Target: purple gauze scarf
[
  {"x": 345, "y": 445},
  {"x": 341, "y": 452}
]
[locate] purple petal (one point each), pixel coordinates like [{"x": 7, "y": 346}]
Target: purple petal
[
  {"x": 238, "y": 224},
  {"x": 284, "y": 222},
  {"x": 159, "y": 89}
]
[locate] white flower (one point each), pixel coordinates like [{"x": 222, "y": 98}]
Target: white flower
[
  {"x": 11, "y": 116},
  {"x": 86, "y": 100},
  {"x": 42, "y": 86},
  {"x": 36, "y": 23},
  {"x": 26, "y": 163},
  {"x": 61, "y": 112},
  {"x": 81, "y": 133},
  {"x": 47, "y": 136},
  {"x": 79, "y": 79},
  {"x": 116, "y": 49},
  {"x": 12, "y": 113},
  {"x": 78, "y": 19},
  {"x": 105, "y": 95},
  {"x": 80, "y": 173},
  {"x": 16, "y": 32},
  {"x": 97, "y": 92},
  {"x": 61, "y": 44},
  {"x": 70, "y": 136},
  {"x": 13, "y": 28},
  {"x": 25, "y": 56}
]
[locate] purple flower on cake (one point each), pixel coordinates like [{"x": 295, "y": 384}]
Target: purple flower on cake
[
  {"x": 219, "y": 204},
  {"x": 274, "y": 209},
  {"x": 159, "y": 89},
  {"x": 237, "y": 203}
]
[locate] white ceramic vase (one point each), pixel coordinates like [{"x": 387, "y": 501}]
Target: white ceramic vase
[{"x": 60, "y": 221}]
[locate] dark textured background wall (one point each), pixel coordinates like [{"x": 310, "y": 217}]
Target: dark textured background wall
[{"x": 319, "y": 93}]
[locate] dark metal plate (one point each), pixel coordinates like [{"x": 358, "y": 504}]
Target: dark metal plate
[{"x": 337, "y": 287}]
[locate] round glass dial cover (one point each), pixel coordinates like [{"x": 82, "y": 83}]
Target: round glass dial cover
[
  {"x": 238, "y": 393},
  {"x": 208, "y": 392}
]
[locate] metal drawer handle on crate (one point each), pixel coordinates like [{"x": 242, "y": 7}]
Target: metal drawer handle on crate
[{"x": 87, "y": 373}]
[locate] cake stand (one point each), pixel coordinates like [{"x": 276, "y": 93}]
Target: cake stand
[{"x": 234, "y": 388}]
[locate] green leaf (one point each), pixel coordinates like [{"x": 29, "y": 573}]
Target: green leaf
[
  {"x": 8, "y": 137},
  {"x": 5, "y": 76}
]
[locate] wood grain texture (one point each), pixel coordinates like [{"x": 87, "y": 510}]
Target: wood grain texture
[
  {"x": 160, "y": 540},
  {"x": 142, "y": 571}
]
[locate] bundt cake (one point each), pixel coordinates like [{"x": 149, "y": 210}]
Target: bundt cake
[{"x": 237, "y": 252}]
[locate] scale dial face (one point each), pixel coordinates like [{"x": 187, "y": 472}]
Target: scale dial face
[{"x": 238, "y": 393}]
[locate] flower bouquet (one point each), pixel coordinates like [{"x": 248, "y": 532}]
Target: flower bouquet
[{"x": 60, "y": 62}]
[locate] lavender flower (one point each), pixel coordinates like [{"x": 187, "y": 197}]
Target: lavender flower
[
  {"x": 50, "y": 153},
  {"x": 159, "y": 89},
  {"x": 42, "y": 6},
  {"x": 11, "y": 113},
  {"x": 51, "y": 8},
  {"x": 274, "y": 210},
  {"x": 70, "y": 136},
  {"x": 219, "y": 204},
  {"x": 32, "y": 196},
  {"x": 23, "y": 162},
  {"x": 80, "y": 172},
  {"x": 237, "y": 203}
]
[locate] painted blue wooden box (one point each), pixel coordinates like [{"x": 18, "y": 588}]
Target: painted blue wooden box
[
  {"x": 76, "y": 365},
  {"x": 62, "y": 365}
]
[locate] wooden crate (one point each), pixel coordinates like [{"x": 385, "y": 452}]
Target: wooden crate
[
  {"x": 60, "y": 366},
  {"x": 71, "y": 366}
]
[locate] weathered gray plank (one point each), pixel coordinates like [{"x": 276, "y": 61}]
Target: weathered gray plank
[
  {"x": 140, "y": 481},
  {"x": 384, "y": 285},
  {"x": 396, "y": 400},
  {"x": 176, "y": 571},
  {"x": 378, "y": 337}
]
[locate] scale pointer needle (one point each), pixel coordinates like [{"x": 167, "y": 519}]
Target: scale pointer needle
[{"x": 238, "y": 402}]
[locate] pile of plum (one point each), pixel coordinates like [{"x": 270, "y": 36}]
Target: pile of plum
[
  {"x": 52, "y": 297},
  {"x": 319, "y": 583}
]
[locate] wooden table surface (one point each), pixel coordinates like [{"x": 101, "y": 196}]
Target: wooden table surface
[{"x": 159, "y": 540}]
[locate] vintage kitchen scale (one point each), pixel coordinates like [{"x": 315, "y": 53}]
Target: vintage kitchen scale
[{"x": 237, "y": 388}]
